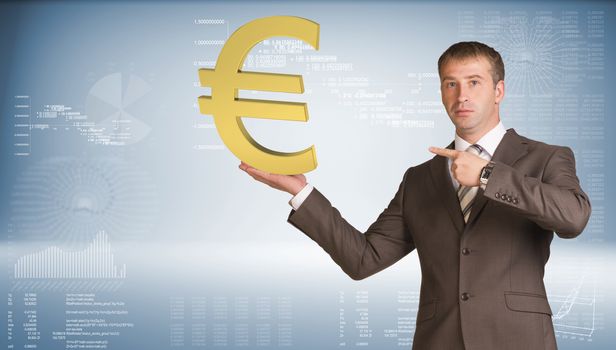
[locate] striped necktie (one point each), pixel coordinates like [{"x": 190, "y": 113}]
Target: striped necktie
[{"x": 466, "y": 194}]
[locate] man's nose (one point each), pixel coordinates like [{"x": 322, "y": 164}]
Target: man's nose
[{"x": 462, "y": 95}]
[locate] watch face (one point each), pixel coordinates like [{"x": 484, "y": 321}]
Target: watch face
[{"x": 485, "y": 172}]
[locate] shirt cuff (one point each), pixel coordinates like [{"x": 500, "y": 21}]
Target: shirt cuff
[{"x": 299, "y": 198}]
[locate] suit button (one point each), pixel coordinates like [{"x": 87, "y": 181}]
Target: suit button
[
  {"x": 503, "y": 196},
  {"x": 497, "y": 195},
  {"x": 464, "y": 296},
  {"x": 515, "y": 200},
  {"x": 466, "y": 251},
  {"x": 508, "y": 198}
]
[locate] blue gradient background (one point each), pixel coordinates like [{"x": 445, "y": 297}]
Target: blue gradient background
[{"x": 201, "y": 227}]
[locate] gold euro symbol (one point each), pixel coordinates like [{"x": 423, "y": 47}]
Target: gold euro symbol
[{"x": 227, "y": 109}]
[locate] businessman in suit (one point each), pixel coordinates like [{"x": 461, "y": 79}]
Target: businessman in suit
[{"x": 481, "y": 214}]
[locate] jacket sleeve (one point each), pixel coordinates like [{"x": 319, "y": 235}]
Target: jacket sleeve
[
  {"x": 555, "y": 201},
  {"x": 360, "y": 255}
]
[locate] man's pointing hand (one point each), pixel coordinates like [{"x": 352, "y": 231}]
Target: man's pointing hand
[{"x": 465, "y": 166}]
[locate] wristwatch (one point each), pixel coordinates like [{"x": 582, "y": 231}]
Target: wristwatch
[{"x": 486, "y": 171}]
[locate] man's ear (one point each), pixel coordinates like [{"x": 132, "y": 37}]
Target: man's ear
[{"x": 499, "y": 91}]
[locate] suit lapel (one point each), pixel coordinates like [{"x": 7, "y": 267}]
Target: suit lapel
[
  {"x": 444, "y": 188},
  {"x": 511, "y": 148}
]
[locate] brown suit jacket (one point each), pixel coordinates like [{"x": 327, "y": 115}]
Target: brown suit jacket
[{"x": 482, "y": 282}]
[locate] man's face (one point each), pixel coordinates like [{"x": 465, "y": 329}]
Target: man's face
[{"x": 469, "y": 95}]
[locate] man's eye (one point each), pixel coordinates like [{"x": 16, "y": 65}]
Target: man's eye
[
  {"x": 474, "y": 82},
  {"x": 451, "y": 84}
]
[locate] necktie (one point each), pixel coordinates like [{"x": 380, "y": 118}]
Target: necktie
[{"x": 466, "y": 194}]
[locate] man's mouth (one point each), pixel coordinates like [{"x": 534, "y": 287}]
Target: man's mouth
[{"x": 463, "y": 111}]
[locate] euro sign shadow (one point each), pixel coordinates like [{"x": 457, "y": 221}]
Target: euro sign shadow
[{"x": 227, "y": 109}]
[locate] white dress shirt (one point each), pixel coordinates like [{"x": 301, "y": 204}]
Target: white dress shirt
[{"x": 488, "y": 142}]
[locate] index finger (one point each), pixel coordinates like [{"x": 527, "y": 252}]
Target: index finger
[{"x": 449, "y": 153}]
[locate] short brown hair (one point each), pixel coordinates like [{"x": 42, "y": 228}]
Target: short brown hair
[{"x": 474, "y": 49}]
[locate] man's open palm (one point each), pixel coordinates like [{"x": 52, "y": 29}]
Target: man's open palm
[{"x": 288, "y": 183}]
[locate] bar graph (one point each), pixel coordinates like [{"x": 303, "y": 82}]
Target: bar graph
[{"x": 95, "y": 261}]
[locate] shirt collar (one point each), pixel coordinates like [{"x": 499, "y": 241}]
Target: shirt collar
[{"x": 489, "y": 141}]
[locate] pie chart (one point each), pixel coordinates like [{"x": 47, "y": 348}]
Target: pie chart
[{"x": 108, "y": 107}]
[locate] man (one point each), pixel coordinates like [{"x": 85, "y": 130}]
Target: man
[{"x": 481, "y": 214}]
